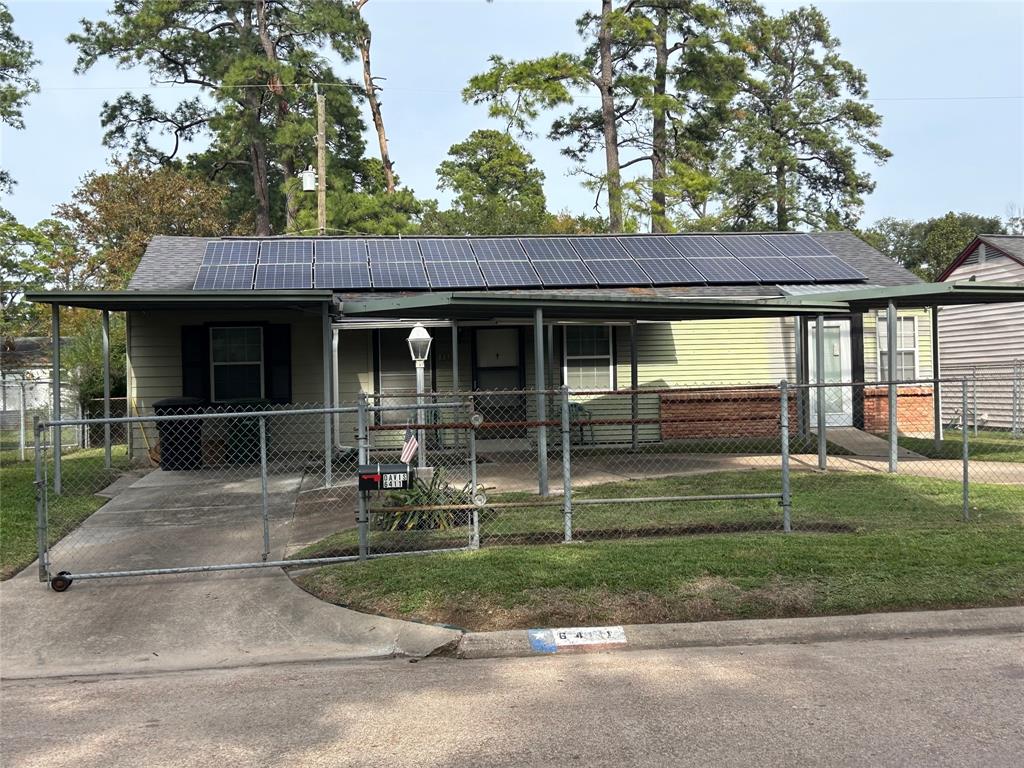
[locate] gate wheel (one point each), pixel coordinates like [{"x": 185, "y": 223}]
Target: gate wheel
[{"x": 61, "y": 581}]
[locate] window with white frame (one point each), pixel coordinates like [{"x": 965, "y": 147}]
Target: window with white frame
[
  {"x": 236, "y": 363},
  {"x": 906, "y": 349},
  {"x": 587, "y": 356}
]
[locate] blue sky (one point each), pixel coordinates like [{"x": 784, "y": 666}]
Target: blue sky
[{"x": 948, "y": 80}]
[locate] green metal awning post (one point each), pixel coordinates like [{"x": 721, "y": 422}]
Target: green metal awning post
[
  {"x": 892, "y": 345},
  {"x": 538, "y": 380}
]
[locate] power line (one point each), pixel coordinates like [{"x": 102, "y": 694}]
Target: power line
[{"x": 399, "y": 89}]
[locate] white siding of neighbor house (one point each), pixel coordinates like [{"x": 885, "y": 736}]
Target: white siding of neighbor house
[
  {"x": 988, "y": 338},
  {"x": 154, "y": 361}
]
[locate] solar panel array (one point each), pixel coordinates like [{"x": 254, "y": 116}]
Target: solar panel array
[{"x": 392, "y": 264}]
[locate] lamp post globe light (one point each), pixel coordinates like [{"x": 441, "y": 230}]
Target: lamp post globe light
[{"x": 419, "y": 349}]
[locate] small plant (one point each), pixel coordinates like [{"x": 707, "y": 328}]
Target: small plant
[{"x": 431, "y": 498}]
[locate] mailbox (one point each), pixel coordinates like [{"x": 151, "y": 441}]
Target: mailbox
[{"x": 385, "y": 477}]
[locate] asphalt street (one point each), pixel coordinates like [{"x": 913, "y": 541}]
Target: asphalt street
[{"x": 954, "y": 701}]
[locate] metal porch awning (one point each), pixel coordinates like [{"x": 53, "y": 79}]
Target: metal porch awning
[
  {"x": 474, "y": 306},
  {"x": 915, "y": 296}
]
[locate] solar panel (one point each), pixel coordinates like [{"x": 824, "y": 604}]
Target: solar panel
[
  {"x": 335, "y": 275},
  {"x": 284, "y": 276},
  {"x": 286, "y": 252},
  {"x": 598, "y": 248},
  {"x": 340, "y": 250},
  {"x": 563, "y": 273},
  {"x": 393, "y": 250},
  {"x": 398, "y": 274},
  {"x": 671, "y": 271},
  {"x": 509, "y": 274},
  {"x": 718, "y": 270},
  {"x": 224, "y": 277},
  {"x": 649, "y": 246},
  {"x": 748, "y": 246},
  {"x": 548, "y": 249},
  {"x": 498, "y": 250},
  {"x": 697, "y": 246},
  {"x": 618, "y": 272},
  {"x": 777, "y": 270},
  {"x": 227, "y": 252},
  {"x": 455, "y": 274},
  {"x": 446, "y": 250},
  {"x": 797, "y": 245},
  {"x": 828, "y": 268}
]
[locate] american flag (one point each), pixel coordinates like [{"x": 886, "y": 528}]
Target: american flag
[{"x": 410, "y": 446}]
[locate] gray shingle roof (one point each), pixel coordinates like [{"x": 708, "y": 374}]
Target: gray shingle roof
[
  {"x": 1011, "y": 245},
  {"x": 171, "y": 264}
]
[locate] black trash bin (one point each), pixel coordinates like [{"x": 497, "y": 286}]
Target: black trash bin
[
  {"x": 181, "y": 442},
  {"x": 243, "y": 443}
]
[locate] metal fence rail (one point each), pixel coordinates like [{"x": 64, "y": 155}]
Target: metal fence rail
[{"x": 278, "y": 486}]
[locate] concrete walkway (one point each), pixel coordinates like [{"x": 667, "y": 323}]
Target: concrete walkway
[
  {"x": 861, "y": 443},
  {"x": 191, "y": 620}
]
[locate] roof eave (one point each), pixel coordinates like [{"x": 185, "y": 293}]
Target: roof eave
[
  {"x": 117, "y": 301},
  {"x": 919, "y": 296}
]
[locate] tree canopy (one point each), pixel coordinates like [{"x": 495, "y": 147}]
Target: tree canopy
[
  {"x": 496, "y": 187},
  {"x": 926, "y": 248},
  {"x": 16, "y": 81},
  {"x": 254, "y": 63}
]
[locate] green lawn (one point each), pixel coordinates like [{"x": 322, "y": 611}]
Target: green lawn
[
  {"x": 82, "y": 474},
  {"x": 987, "y": 445},
  {"x": 902, "y": 547},
  {"x": 847, "y": 501}
]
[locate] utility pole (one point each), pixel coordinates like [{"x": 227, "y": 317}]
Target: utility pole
[{"x": 321, "y": 161}]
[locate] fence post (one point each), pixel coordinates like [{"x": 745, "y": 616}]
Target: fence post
[
  {"x": 42, "y": 543},
  {"x": 264, "y": 501},
  {"x": 474, "y": 542},
  {"x": 566, "y": 468},
  {"x": 819, "y": 400},
  {"x": 1017, "y": 416},
  {"x": 974, "y": 400},
  {"x": 966, "y": 452},
  {"x": 21, "y": 423},
  {"x": 362, "y": 515},
  {"x": 787, "y": 502}
]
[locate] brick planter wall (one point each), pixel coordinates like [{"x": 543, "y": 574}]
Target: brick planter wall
[
  {"x": 913, "y": 409},
  {"x": 723, "y": 413}
]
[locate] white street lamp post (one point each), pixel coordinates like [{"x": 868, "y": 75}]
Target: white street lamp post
[{"x": 419, "y": 348}]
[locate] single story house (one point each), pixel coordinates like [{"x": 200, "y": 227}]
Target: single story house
[
  {"x": 986, "y": 343},
  {"x": 305, "y": 321}
]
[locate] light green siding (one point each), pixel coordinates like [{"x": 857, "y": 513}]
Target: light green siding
[{"x": 154, "y": 370}]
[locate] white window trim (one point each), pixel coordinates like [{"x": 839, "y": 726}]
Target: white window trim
[
  {"x": 213, "y": 364},
  {"x": 880, "y": 321},
  {"x": 566, "y": 357}
]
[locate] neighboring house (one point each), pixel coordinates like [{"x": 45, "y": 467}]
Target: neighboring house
[
  {"x": 224, "y": 341},
  {"x": 986, "y": 342},
  {"x": 25, "y": 372}
]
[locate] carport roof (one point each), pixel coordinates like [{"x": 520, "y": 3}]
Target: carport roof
[
  {"x": 916, "y": 296},
  {"x": 463, "y": 305}
]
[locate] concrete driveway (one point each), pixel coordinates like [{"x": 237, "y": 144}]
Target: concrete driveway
[{"x": 168, "y": 519}]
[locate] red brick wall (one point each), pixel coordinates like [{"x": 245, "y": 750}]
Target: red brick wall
[
  {"x": 913, "y": 409},
  {"x": 723, "y": 413}
]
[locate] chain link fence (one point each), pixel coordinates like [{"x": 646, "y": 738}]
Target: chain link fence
[
  {"x": 21, "y": 401},
  {"x": 214, "y": 488}
]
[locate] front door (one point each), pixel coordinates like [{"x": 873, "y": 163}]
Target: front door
[
  {"x": 838, "y": 400},
  {"x": 497, "y": 367}
]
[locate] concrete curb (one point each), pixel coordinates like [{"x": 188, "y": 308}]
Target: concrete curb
[{"x": 871, "y": 626}]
